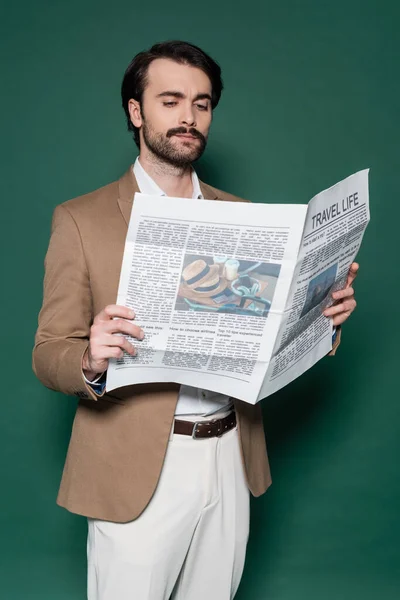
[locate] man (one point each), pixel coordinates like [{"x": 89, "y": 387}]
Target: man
[{"x": 161, "y": 471}]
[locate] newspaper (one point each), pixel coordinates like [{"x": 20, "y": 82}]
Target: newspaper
[{"x": 230, "y": 294}]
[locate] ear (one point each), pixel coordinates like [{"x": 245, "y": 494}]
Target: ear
[{"x": 135, "y": 112}]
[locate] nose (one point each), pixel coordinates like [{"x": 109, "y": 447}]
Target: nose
[{"x": 188, "y": 117}]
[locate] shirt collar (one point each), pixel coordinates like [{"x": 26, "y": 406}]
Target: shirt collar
[{"x": 147, "y": 185}]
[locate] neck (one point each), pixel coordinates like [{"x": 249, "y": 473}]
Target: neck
[{"x": 174, "y": 181}]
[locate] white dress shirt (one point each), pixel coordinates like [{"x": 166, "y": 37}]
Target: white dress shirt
[{"x": 191, "y": 400}]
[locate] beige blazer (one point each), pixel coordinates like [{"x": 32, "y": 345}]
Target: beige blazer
[{"x": 119, "y": 440}]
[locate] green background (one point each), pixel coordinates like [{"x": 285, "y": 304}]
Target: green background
[{"x": 312, "y": 95}]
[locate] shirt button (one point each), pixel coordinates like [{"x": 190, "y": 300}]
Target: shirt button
[{"x": 203, "y": 394}]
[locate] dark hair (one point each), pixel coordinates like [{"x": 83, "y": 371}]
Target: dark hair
[{"x": 135, "y": 77}]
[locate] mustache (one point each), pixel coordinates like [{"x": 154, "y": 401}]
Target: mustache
[{"x": 182, "y": 130}]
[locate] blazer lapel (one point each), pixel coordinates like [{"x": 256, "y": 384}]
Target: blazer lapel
[
  {"x": 127, "y": 188},
  {"x": 208, "y": 192}
]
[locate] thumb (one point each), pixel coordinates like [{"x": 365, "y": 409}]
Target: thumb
[{"x": 353, "y": 271}]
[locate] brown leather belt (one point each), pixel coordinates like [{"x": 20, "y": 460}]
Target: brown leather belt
[{"x": 206, "y": 429}]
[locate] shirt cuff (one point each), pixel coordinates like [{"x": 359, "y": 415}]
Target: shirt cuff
[
  {"x": 97, "y": 384},
  {"x": 94, "y": 380}
]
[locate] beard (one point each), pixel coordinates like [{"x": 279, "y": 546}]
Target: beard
[{"x": 163, "y": 148}]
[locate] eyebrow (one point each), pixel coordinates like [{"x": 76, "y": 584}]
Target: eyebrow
[{"x": 181, "y": 95}]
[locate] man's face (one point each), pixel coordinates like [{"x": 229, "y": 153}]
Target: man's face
[{"x": 176, "y": 112}]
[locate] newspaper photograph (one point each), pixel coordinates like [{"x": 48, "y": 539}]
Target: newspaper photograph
[{"x": 230, "y": 294}]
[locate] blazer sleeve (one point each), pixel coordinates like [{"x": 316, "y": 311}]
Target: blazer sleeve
[{"x": 67, "y": 313}]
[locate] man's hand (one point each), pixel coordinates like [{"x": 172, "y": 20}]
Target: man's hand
[
  {"x": 344, "y": 299},
  {"x": 103, "y": 345}
]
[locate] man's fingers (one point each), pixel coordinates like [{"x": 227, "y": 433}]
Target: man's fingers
[
  {"x": 340, "y": 319},
  {"x": 345, "y": 293},
  {"x": 104, "y": 353},
  {"x": 106, "y": 340},
  {"x": 354, "y": 267},
  {"x": 344, "y": 299},
  {"x": 114, "y": 310},
  {"x": 107, "y": 343},
  {"x": 121, "y": 342},
  {"x": 347, "y": 306},
  {"x": 122, "y": 326}
]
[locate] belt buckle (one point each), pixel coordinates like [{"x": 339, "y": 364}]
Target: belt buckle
[
  {"x": 194, "y": 437},
  {"x": 217, "y": 422}
]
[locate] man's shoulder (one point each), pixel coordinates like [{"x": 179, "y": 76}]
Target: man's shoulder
[
  {"x": 92, "y": 202},
  {"x": 213, "y": 193}
]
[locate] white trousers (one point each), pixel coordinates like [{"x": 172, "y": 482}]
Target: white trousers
[{"x": 190, "y": 541}]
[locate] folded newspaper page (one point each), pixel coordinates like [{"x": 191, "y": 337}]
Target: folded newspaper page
[{"x": 230, "y": 295}]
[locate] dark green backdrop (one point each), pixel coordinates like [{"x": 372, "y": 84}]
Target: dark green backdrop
[{"x": 312, "y": 95}]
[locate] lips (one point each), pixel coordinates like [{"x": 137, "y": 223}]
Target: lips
[{"x": 186, "y": 136}]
